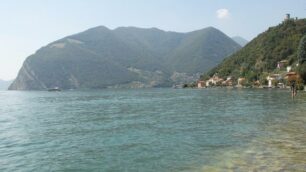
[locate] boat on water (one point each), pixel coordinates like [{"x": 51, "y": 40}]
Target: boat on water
[{"x": 54, "y": 89}]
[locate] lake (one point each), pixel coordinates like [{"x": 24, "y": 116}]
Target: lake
[{"x": 153, "y": 130}]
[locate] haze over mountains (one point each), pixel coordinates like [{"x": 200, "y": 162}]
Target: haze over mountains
[
  {"x": 241, "y": 41},
  {"x": 4, "y": 84},
  {"x": 124, "y": 57}
]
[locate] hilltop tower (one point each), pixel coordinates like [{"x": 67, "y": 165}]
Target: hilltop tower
[{"x": 287, "y": 17}]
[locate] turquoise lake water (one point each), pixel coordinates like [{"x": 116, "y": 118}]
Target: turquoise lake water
[{"x": 161, "y": 130}]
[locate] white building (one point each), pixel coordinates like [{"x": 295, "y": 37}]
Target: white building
[
  {"x": 270, "y": 79},
  {"x": 213, "y": 81},
  {"x": 201, "y": 84},
  {"x": 289, "y": 68}
]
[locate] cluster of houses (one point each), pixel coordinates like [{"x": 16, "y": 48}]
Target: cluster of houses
[
  {"x": 215, "y": 81},
  {"x": 273, "y": 80}
]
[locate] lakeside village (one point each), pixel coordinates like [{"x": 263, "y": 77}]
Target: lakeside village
[{"x": 281, "y": 79}]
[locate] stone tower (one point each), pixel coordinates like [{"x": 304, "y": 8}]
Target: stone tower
[{"x": 287, "y": 17}]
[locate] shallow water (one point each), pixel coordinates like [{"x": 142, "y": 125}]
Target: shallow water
[{"x": 153, "y": 130}]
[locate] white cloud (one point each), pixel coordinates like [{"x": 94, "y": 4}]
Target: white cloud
[{"x": 223, "y": 13}]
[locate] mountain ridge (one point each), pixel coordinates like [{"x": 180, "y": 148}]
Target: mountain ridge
[{"x": 100, "y": 57}]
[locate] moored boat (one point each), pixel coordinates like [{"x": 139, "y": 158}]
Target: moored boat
[{"x": 54, "y": 89}]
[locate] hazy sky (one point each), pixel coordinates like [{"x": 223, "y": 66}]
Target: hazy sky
[{"x": 30, "y": 24}]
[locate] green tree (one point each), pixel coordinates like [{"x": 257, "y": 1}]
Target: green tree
[{"x": 301, "y": 53}]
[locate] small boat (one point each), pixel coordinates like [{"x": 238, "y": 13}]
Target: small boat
[{"x": 54, "y": 89}]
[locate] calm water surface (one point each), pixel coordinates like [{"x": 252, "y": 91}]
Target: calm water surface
[{"x": 153, "y": 130}]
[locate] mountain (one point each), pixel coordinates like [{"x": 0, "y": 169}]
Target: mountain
[
  {"x": 124, "y": 57},
  {"x": 239, "y": 40},
  {"x": 4, "y": 84},
  {"x": 261, "y": 56},
  {"x": 201, "y": 50}
]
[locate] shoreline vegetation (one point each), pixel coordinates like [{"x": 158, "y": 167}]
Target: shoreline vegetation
[{"x": 194, "y": 86}]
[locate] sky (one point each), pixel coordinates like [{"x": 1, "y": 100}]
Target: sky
[{"x": 26, "y": 26}]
